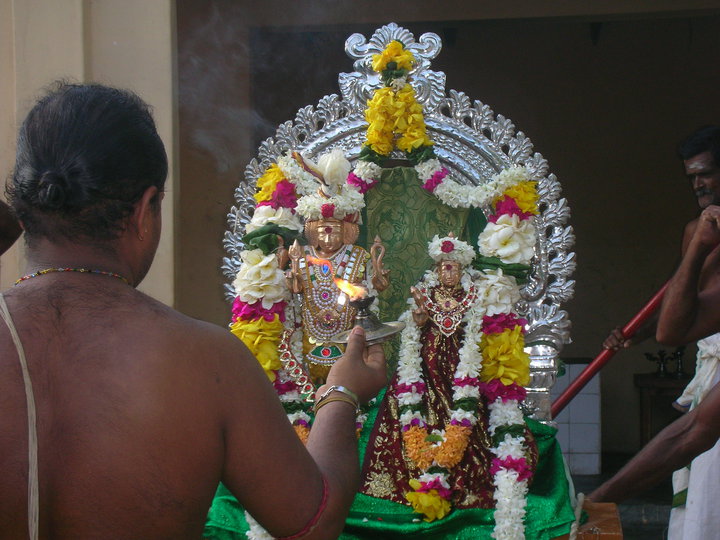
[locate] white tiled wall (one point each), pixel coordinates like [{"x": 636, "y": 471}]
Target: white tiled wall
[{"x": 579, "y": 423}]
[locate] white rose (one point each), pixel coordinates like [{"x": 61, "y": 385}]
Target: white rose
[
  {"x": 259, "y": 278},
  {"x": 510, "y": 239},
  {"x": 334, "y": 167},
  {"x": 497, "y": 293},
  {"x": 282, "y": 217}
]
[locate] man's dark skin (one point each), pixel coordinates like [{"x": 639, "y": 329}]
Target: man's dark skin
[
  {"x": 142, "y": 410},
  {"x": 690, "y": 311},
  {"x": 10, "y": 229},
  {"x": 703, "y": 175}
]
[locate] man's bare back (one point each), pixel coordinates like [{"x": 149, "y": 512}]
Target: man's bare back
[{"x": 130, "y": 421}]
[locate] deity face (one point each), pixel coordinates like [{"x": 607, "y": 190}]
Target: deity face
[
  {"x": 704, "y": 176},
  {"x": 449, "y": 273},
  {"x": 329, "y": 237}
]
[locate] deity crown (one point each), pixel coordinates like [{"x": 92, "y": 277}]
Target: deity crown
[{"x": 449, "y": 248}]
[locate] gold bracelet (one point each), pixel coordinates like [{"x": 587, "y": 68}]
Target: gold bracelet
[{"x": 326, "y": 400}]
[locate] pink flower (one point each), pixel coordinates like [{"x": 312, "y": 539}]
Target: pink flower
[
  {"x": 362, "y": 185},
  {"x": 283, "y": 387},
  {"x": 495, "y": 324},
  {"x": 327, "y": 210},
  {"x": 520, "y": 465},
  {"x": 250, "y": 312},
  {"x": 284, "y": 195},
  {"x": 413, "y": 422},
  {"x": 496, "y": 389},
  {"x": 435, "y": 180},
  {"x": 436, "y": 484},
  {"x": 508, "y": 206},
  {"x": 418, "y": 387},
  {"x": 447, "y": 246},
  {"x": 467, "y": 381}
]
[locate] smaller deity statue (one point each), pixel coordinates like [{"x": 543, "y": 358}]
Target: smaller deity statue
[
  {"x": 331, "y": 257},
  {"x": 432, "y": 445}
]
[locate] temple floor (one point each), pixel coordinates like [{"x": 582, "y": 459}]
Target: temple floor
[{"x": 643, "y": 518}]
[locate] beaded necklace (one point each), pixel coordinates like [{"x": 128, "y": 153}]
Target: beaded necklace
[{"x": 81, "y": 270}]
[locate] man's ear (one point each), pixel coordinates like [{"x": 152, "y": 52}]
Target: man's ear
[{"x": 144, "y": 208}]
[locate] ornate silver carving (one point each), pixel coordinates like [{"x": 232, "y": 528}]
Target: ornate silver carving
[{"x": 473, "y": 143}]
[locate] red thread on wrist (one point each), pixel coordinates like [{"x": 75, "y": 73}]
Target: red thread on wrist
[{"x": 313, "y": 522}]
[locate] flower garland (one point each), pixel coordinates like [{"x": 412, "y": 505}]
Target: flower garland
[
  {"x": 395, "y": 119},
  {"x": 436, "y": 452}
]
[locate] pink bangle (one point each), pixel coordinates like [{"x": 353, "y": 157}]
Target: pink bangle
[{"x": 313, "y": 522}]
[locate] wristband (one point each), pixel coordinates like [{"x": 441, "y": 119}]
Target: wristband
[
  {"x": 327, "y": 400},
  {"x": 338, "y": 388},
  {"x": 351, "y": 397}
]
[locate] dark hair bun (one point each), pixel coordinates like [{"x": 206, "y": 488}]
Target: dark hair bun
[{"x": 52, "y": 190}]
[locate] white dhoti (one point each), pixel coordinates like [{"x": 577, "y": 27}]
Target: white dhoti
[{"x": 699, "y": 518}]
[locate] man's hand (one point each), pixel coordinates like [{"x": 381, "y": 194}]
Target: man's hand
[
  {"x": 616, "y": 340},
  {"x": 361, "y": 369},
  {"x": 707, "y": 232}
]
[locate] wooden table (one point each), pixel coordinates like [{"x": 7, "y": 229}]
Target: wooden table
[
  {"x": 603, "y": 523},
  {"x": 651, "y": 388}
]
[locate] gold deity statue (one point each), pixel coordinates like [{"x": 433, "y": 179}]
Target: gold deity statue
[{"x": 331, "y": 258}]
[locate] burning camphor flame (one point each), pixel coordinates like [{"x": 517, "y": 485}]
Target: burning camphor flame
[{"x": 354, "y": 292}]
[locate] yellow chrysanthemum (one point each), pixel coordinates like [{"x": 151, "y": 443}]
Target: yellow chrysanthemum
[
  {"x": 262, "y": 338},
  {"x": 430, "y": 504},
  {"x": 525, "y": 195},
  {"x": 394, "y": 52},
  {"x": 378, "y": 115},
  {"x": 504, "y": 357},
  {"x": 267, "y": 182}
]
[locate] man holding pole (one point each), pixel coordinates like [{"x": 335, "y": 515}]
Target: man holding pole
[{"x": 690, "y": 311}]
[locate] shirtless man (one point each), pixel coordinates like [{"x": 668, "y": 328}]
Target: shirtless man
[
  {"x": 141, "y": 411},
  {"x": 700, "y": 153},
  {"x": 690, "y": 311}
]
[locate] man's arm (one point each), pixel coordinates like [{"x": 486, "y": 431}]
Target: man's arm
[
  {"x": 673, "y": 448},
  {"x": 688, "y": 314},
  {"x": 276, "y": 478},
  {"x": 9, "y": 228}
]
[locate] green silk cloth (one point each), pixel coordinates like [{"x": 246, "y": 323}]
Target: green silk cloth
[
  {"x": 406, "y": 217},
  {"x": 549, "y": 513}
]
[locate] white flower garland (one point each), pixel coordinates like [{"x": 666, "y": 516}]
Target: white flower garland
[{"x": 347, "y": 201}]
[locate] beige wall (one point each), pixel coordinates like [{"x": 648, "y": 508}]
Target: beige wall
[{"x": 130, "y": 44}]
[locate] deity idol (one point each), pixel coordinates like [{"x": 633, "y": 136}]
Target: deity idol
[
  {"x": 330, "y": 260},
  {"x": 432, "y": 445}
]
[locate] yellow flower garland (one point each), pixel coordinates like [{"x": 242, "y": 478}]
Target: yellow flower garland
[
  {"x": 262, "y": 338},
  {"x": 267, "y": 183},
  {"x": 525, "y": 195},
  {"x": 504, "y": 357},
  {"x": 394, "y": 52},
  {"x": 432, "y": 505},
  {"x": 390, "y": 113}
]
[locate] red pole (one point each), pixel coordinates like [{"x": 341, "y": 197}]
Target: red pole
[{"x": 604, "y": 357}]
